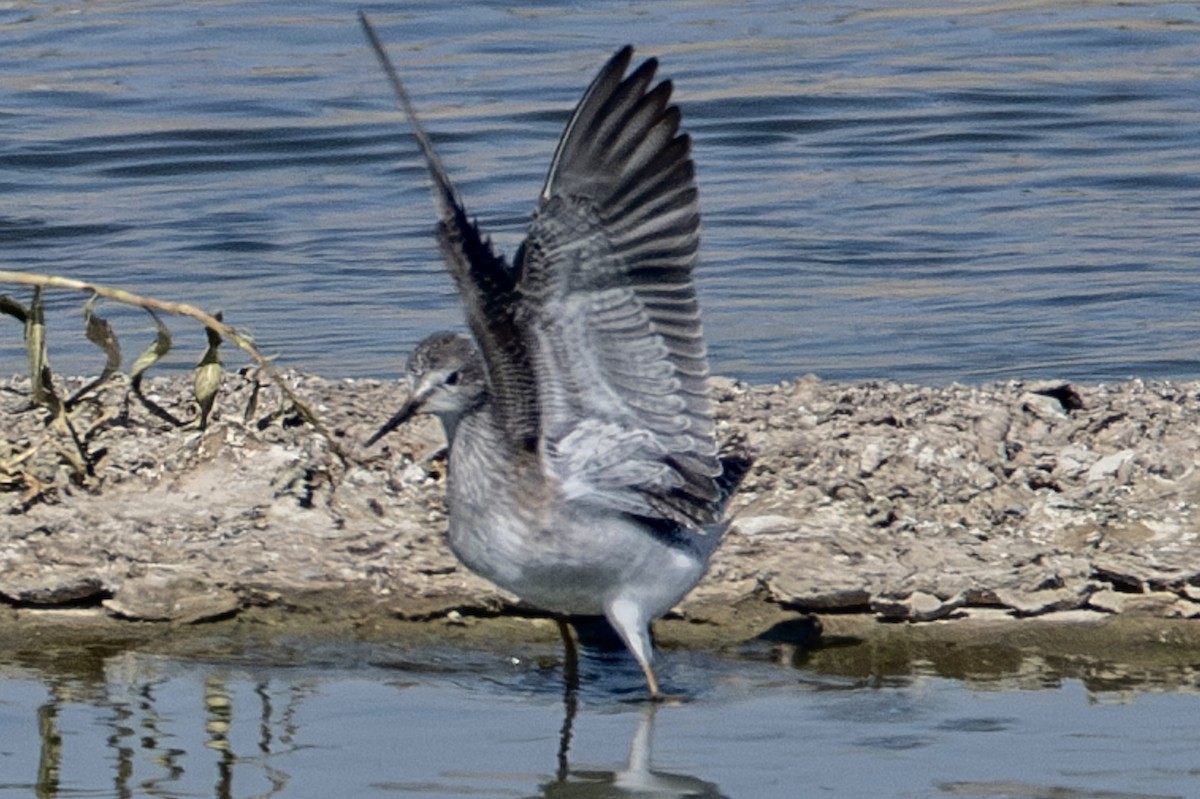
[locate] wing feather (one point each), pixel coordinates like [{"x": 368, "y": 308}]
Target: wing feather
[
  {"x": 486, "y": 283},
  {"x": 592, "y": 340},
  {"x": 606, "y": 283}
]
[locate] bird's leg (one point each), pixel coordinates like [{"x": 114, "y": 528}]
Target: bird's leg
[
  {"x": 570, "y": 701},
  {"x": 626, "y": 618},
  {"x": 570, "y": 654},
  {"x": 648, "y": 670}
]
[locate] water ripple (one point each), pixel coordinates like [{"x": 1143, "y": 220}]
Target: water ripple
[{"x": 927, "y": 192}]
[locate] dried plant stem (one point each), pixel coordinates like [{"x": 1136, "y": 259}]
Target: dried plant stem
[
  {"x": 129, "y": 298},
  {"x": 179, "y": 309}
]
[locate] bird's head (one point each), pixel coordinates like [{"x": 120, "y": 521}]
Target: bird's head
[{"x": 445, "y": 378}]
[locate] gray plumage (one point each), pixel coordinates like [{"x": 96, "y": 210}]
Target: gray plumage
[{"x": 584, "y": 474}]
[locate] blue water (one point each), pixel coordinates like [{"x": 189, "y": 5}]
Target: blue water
[
  {"x": 923, "y": 191},
  {"x": 140, "y": 725}
]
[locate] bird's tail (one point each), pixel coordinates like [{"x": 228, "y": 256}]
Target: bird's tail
[{"x": 735, "y": 463}]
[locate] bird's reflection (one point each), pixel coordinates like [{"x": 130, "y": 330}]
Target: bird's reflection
[
  {"x": 638, "y": 778},
  {"x": 151, "y": 740}
]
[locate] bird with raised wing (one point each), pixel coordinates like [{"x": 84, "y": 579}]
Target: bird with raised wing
[{"x": 584, "y": 471}]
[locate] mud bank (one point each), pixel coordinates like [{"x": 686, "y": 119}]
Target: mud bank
[{"x": 885, "y": 501}]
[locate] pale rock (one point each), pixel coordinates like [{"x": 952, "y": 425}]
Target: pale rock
[
  {"x": 1046, "y": 600},
  {"x": 1073, "y": 461},
  {"x": 917, "y": 606},
  {"x": 809, "y": 595},
  {"x": 1109, "y": 466},
  {"x": 764, "y": 525},
  {"x": 166, "y": 597},
  {"x": 55, "y": 585},
  {"x": 1043, "y": 407},
  {"x": 870, "y": 459}
]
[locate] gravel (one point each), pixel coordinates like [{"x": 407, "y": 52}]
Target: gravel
[{"x": 906, "y": 502}]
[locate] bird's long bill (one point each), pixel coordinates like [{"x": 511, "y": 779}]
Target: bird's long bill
[{"x": 411, "y": 406}]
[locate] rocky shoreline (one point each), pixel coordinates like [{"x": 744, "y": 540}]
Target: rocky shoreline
[{"x": 899, "y": 502}]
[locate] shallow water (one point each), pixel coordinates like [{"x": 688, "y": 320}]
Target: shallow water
[
  {"x": 929, "y": 191},
  {"x": 371, "y": 721}
]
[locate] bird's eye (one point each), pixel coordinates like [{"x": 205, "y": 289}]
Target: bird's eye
[{"x": 452, "y": 379}]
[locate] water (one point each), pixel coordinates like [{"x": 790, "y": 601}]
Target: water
[
  {"x": 926, "y": 191},
  {"x": 375, "y": 722},
  {"x": 922, "y": 191}
]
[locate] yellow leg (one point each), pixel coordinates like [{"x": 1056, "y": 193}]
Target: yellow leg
[
  {"x": 651, "y": 681},
  {"x": 626, "y": 618}
]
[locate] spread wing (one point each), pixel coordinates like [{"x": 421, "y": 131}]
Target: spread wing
[
  {"x": 607, "y": 299},
  {"x": 592, "y": 342},
  {"x": 486, "y": 284}
]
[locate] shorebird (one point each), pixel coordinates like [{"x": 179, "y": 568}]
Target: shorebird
[{"x": 584, "y": 471}]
